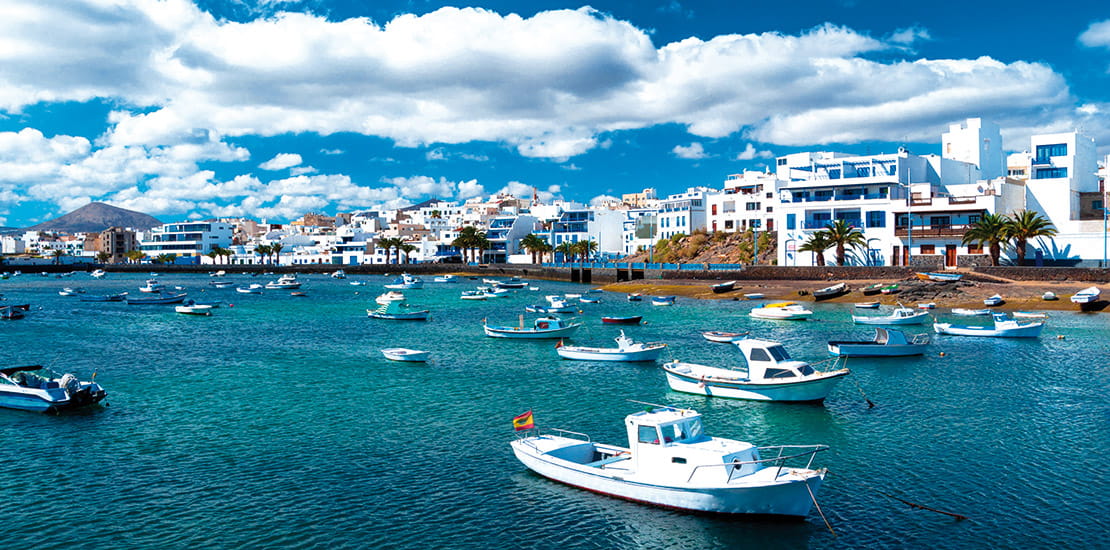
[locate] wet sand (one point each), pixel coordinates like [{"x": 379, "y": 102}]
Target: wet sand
[{"x": 1018, "y": 295}]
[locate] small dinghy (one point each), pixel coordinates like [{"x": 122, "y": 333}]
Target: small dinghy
[
  {"x": 671, "y": 462},
  {"x": 69, "y": 291},
  {"x": 940, "y": 277},
  {"x": 839, "y": 289},
  {"x": 626, "y": 350},
  {"x": 472, "y": 295},
  {"x": 721, "y": 288},
  {"x": 871, "y": 290},
  {"x": 586, "y": 300},
  {"x": 250, "y": 289},
  {"x": 555, "y": 304},
  {"x": 887, "y": 343},
  {"x": 995, "y": 300},
  {"x": 631, "y": 320},
  {"x": 929, "y": 305},
  {"x": 1049, "y": 296},
  {"x": 901, "y": 315},
  {"x": 1003, "y": 328},
  {"x": 635, "y": 297},
  {"x": 970, "y": 312},
  {"x": 446, "y": 279},
  {"x": 867, "y": 305},
  {"x": 194, "y": 309},
  {"x": 152, "y": 286},
  {"x": 754, "y": 296},
  {"x": 771, "y": 376},
  {"x": 724, "y": 337},
  {"x": 391, "y": 296},
  {"x": 406, "y": 282},
  {"x": 662, "y": 300},
  {"x": 397, "y": 310},
  {"x": 1030, "y": 314},
  {"x": 221, "y": 284},
  {"x": 544, "y": 327},
  {"x": 890, "y": 289},
  {"x": 161, "y": 298},
  {"x": 784, "y": 311},
  {"x": 405, "y": 354},
  {"x": 1086, "y": 298}
]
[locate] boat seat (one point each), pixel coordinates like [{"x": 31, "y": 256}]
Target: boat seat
[{"x": 616, "y": 458}]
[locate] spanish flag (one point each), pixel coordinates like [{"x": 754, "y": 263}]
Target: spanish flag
[{"x": 523, "y": 422}]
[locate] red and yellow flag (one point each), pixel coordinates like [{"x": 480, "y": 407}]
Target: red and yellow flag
[{"x": 523, "y": 422}]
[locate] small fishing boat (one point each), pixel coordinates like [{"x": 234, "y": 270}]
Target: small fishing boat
[
  {"x": 285, "y": 282},
  {"x": 630, "y": 320},
  {"x": 161, "y": 298},
  {"x": 887, "y": 343},
  {"x": 446, "y": 279},
  {"x": 102, "y": 297},
  {"x": 219, "y": 273},
  {"x": 391, "y": 296},
  {"x": 194, "y": 309},
  {"x": 927, "y": 305},
  {"x": 635, "y": 297},
  {"x": 969, "y": 312},
  {"x": 995, "y": 300},
  {"x": 298, "y": 294},
  {"x": 1049, "y": 296},
  {"x": 152, "y": 286},
  {"x": 786, "y": 311},
  {"x": 70, "y": 291},
  {"x": 12, "y": 313},
  {"x": 397, "y": 310},
  {"x": 671, "y": 462},
  {"x": 556, "y": 304},
  {"x": 662, "y": 300},
  {"x": 38, "y": 389},
  {"x": 1030, "y": 314},
  {"x": 1003, "y": 328},
  {"x": 901, "y": 315},
  {"x": 572, "y": 296},
  {"x": 1086, "y": 298},
  {"x": 544, "y": 327},
  {"x": 721, "y": 288},
  {"x": 357, "y": 283},
  {"x": 405, "y": 354},
  {"x": 626, "y": 350},
  {"x": 871, "y": 290},
  {"x": 253, "y": 288},
  {"x": 771, "y": 376},
  {"x": 839, "y": 289},
  {"x": 754, "y": 296},
  {"x": 221, "y": 284},
  {"x": 724, "y": 337},
  {"x": 866, "y": 305},
  {"x": 586, "y": 300},
  {"x": 511, "y": 283},
  {"x": 339, "y": 274},
  {"x": 889, "y": 289},
  {"x": 406, "y": 282},
  {"x": 940, "y": 277},
  {"x": 96, "y": 274},
  {"x": 472, "y": 295},
  {"x": 496, "y": 293}
]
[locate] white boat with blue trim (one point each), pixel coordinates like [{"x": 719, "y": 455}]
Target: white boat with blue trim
[
  {"x": 901, "y": 315},
  {"x": 38, "y": 389},
  {"x": 887, "y": 343},
  {"x": 544, "y": 327},
  {"x": 406, "y": 282},
  {"x": 397, "y": 310},
  {"x": 782, "y": 311},
  {"x": 771, "y": 376},
  {"x": 626, "y": 350},
  {"x": 1004, "y": 327},
  {"x": 671, "y": 462}
]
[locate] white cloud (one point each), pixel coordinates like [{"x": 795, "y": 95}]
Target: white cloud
[
  {"x": 602, "y": 199},
  {"x": 907, "y": 36},
  {"x": 693, "y": 151},
  {"x": 470, "y": 189},
  {"x": 331, "y": 152},
  {"x": 423, "y": 186},
  {"x": 299, "y": 170},
  {"x": 750, "y": 153},
  {"x": 281, "y": 161},
  {"x": 1097, "y": 35}
]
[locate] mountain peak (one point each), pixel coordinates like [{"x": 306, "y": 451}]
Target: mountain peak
[{"x": 95, "y": 217}]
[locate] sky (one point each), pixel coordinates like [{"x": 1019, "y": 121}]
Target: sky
[{"x": 193, "y": 109}]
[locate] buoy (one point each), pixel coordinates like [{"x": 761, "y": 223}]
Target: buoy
[
  {"x": 942, "y": 354},
  {"x": 1059, "y": 336}
]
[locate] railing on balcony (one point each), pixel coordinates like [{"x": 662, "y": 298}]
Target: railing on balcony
[{"x": 923, "y": 231}]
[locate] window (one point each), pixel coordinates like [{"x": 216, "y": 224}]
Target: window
[
  {"x": 822, "y": 195},
  {"x": 779, "y": 373},
  {"x": 647, "y": 434},
  {"x": 728, "y": 224},
  {"x": 758, "y": 354},
  {"x": 928, "y": 249},
  {"x": 714, "y": 210},
  {"x": 1048, "y": 173},
  {"x": 1044, "y": 152},
  {"x": 940, "y": 221},
  {"x": 791, "y": 222},
  {"x": 974, "y": 249},
  {"x": 1096, "y": 205},
  {"x": 779, "y": 353},
  {"x": 781, "y": 162},
  {"x": 973, "y": 219},
  {"x": 876, "y": 219},
  {"x": 678, "y": 460},
  {"x": 751, "y": 206}
]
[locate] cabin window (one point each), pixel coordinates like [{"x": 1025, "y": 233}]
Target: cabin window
[
  {"x": 758, "y": 354},
  {"x": 806, "y": 370},
  {"x": 779, "y": 353},
  {"x": 678, "y": 460},
  {"x": 779, "y": 373},
  {"x": 647, "y": 434}
]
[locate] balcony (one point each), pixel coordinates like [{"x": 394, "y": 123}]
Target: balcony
[{"x": 926, "y": 231}]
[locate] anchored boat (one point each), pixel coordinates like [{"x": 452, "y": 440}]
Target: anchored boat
[
  {"x": 671, "y": 462},
  {"x": 900, "y": 316},
  {"x": 1003, "y": 328},
  {"x": 887, "y": 343},
  {"x": 39, "y": 389},
  {"x": 626, "y": 350},
  {"x": 405, "y": 354},
  {"x": 839, "y": 289},
  {"x": 544, "y": 327},
  {"x": 397, "y": 310},
  {"x": 787, "y": 311}
]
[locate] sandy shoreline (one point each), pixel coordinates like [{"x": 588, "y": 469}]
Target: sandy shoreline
[{"x": 1018, "y": 295}]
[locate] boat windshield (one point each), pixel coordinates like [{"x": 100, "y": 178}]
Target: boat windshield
[
  {"x": 685, "y": 431},
  {"x": 779, "y": 353}
]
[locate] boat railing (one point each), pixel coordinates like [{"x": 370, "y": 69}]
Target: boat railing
[
  {"x": 780, "y": 460},
  {"x": 920, "y": 339},
  {"x": 529, "y": 440}
]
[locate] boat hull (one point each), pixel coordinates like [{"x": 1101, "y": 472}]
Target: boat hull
[
  {"x": 529, "y": 334},
  {"x": 871, "y": 349},
  {"x": 612, "y": 354},
  {"x": 622, "y": 320},
  {"x": 811, "y": 390},
  {"x": 176, "y": 299},
  {"x": 406, "y": 355},
  {"x": 408, "y": 316},
  {"x": 789, "y": 495},
  {"x": 917, "y": 319},
  {"x": 780, "y": 316},
  {"x": 51, "y": 400},
  {"x": 1032, "y": 330}
]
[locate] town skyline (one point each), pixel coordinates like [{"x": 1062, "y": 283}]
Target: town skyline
[{"x": 266, "y": 110}]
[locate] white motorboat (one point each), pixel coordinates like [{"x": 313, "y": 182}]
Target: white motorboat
[
  {"x": 754, "y": 296},
  {"x": 98, "y": 274},
  {"x": 556, "y": 304},
  {"x": 285, "y": 282},
  {"x": 586, "y": 300},
  {"x": 472, "y": 295},
  {"x": 152, "y": 286},
  {"x": 724, "y": 337},
  {"x": 544, "y": 327},
  {"x": 662, "y": 300},
  {"x": 1086, "y": 297},
  {"x": 404, "y": 354},
  {"x": 1049, "y": 296},
  {"x": 39, "y": 389},
  {"x": 221, "y": 284},
  {"x": 626, "y": 350},
  {"x": 406, "y": 282},
  {"x": 357, "y": 283},
  {"x": 446, "y": 279},
  {"x": 1003, "y": 328},
  {"x": 901, "y": 315},
  {"x": 391, "y": 296},
  {"x": 788, "y": 311},
  {"x": 970, "y": 312},
  {"x": 194, "y": 309},
  {"x": 254, "y": 288},
  {"x": 397, "y": 310},
  {"x": 496, "y": 293},
  {"x": 70, "y": 291},
  {"x": 670, "y": 462},
  {"x": 995, "y": 300},
  {"x": 339, "y": 274},
  {"x": 771, "y": 376},
  {"x": 887, "y": 343}
]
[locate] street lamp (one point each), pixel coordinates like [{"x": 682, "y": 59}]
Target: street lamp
[{"x": 909, "y": 221}]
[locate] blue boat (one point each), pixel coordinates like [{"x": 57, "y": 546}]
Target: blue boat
[
  {"x": 103, "y": 297},
  {"x": 38, "y": 389},
  {"x": 662, "y": 300},
  {"x": 159, "y": 299},
  {"x": 940, "y": 277}
]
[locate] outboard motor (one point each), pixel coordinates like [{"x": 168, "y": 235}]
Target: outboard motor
[{"x": 71, "y": 384}]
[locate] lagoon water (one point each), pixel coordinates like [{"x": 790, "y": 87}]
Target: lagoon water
[{"x": 276, "y": 423}]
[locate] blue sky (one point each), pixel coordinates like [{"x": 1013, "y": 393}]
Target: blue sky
[{"x": 189, "y": 109}]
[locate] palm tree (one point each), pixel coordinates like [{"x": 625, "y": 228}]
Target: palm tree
[
  {"x": 566, "y": 248},
  {"x": 547, "y": 249},
  {"x": 164, "y": 258},
  {"x": 818, "y": 243},
  {"x": 588, "y": 248},
  {"x": 135, "y": 256},
  {"x": 842, "y": 234},
  {"x": 482, "y": 244},
  {"x": 1025, "y": 225},
  {"x": 276, "y": 250},
  {"x": 407, "y": 249},
  {"x": 58, "y": 253},
  {"x": 223, "y": 253},
  {"x": 991, "y": 229},
  {"x": 103, "y": 257},
  {"x": 533, "y": 244},
  {"x": 212, "y": 254},
  {"x": 470, "y": 238},
  {"x": 262, "y": 250}
]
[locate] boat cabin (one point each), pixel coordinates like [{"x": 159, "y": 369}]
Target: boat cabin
[
  {"x": 769, "y": 361},
  {"x": 549, "y": 323},
  {"x": 670, "y": 443}
]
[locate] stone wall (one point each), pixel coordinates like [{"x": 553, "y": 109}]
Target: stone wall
[{"x": 1084, "y": 274}]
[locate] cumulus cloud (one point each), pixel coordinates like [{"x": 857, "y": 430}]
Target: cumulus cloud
[
  {"x": 692, "y": 151},
  {"x": 602, "y": 199},
  {"x": 1097, "y": 35},
  {"x": 423, "y": 186},
  {"x": 281, "y": 161},
  {"x": 750, "y": 153},
  {"x": 908, "y": 36}
]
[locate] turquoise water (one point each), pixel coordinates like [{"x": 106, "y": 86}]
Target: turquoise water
[{"x": 277, "y": 423}]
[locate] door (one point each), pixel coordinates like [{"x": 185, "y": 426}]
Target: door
[
  {"x": 896, "y": 257},
  {"x": 950, "y": 255}
]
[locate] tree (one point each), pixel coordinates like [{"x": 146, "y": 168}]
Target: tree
[
  {"x": 276, "y": 250},
  {"x": 469, "y": 238},
  {"x": 547, "y": 249},
  {"x": 842, "y": 234},
  {"x": 135, "y": 256},
  {"x": 407, "y": 249},
  {"x": 482, "y": 244},
  {"x": 818, "y": 243},
  {"x": 566, "y": 248},
  {"x": 103, "y": 257},
  {"x": 262, "y": 250},
  {"x": 212, "y": 254},
  {"x": 164, "y": 258},
  {"x": 58, "y": 253},
  {"x": 1025, "y": 225},
  {"x": 990, "y": 230},
  {"x": 388, "y": 244},
  {"x": 533, "y": 244}
]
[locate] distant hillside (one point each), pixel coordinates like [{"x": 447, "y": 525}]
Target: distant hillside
[
  {"x": 711, "y": 248},
  {"x": 97, "y": 216}
]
